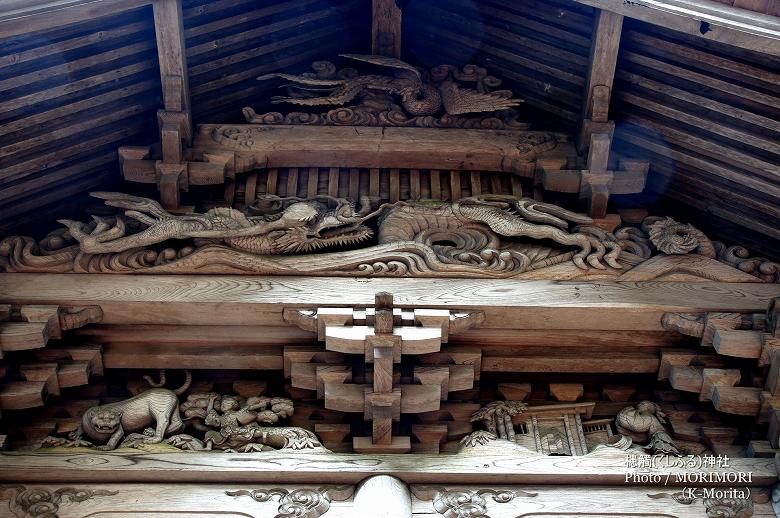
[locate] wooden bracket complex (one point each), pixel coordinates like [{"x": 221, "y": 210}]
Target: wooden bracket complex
[
  {"x": 381, "y": 335},
  {"x": 29, "y": 328},
  {"x": 729, "y": 338}
]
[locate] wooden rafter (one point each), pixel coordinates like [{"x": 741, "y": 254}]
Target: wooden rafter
[
  {"x": 703, "y": 18},
  {"x": 25, "y": 16}
]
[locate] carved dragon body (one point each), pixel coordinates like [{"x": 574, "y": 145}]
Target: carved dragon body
[
  {"x": 474, "y": 230},
  {"x": 418, "y": 97},
  {"x": 302, "y": 226}
]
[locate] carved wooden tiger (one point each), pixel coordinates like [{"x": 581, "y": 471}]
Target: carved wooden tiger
[{"x": 157, "y": 405}]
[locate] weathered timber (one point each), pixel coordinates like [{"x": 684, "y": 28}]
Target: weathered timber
[
  {"x": 182, "y": 300},
  {"x": 375, "y": 147},
  {"x": 302, "y": 468}
]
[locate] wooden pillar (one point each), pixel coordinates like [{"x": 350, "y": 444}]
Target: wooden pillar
[
  {"x": 607, "y": 30},
  {"x": 596, "y": 130},
  {"x": 386, "y": 28},
  {"x": 175, "y": 118}
]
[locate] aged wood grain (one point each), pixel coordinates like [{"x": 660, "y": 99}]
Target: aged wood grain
[
  {"x": 240, "y": 300},
  {"x": 344, "y": 469}
]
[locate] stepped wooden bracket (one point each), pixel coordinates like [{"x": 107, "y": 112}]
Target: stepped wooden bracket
[
  {"x": 753, "y": 336},
  {"x": 29, "y": 328},
  {"x": 596, "y": 180},
  {"x": 138, "y": 164},
  {"x": 381, "y": 335}
]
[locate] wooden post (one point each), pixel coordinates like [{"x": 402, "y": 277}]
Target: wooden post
[
  {"x": 175, "y": 119},
  {"x": 596, "y": 130},
  {"x": 607, "y": 29},
  {"x": 386, "y": 28}
]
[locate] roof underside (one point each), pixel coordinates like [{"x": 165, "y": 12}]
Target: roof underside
[{"x": 706, "y": 114}]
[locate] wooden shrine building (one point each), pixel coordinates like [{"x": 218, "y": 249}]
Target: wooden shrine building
[{"x": 389, "y": 258}]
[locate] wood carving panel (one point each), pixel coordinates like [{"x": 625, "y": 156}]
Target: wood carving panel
[
  {"x": 491, "y": 236},
  {"x": 162, "y": 501},
  {"x": 567, "y": 501}
]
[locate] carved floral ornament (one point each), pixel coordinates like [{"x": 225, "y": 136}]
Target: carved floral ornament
[
  {"x": 466, "y": 503},
  {"x": 490, "y": 236},
  {"x": 715, "y": 507}
]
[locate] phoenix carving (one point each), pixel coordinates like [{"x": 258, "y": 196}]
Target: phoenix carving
[{"x": 418, "y": 96}]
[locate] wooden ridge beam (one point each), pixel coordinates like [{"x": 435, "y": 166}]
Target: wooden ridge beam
[
  {"x": 703, "y": 18},
  {"x": 508, "y": 304}
]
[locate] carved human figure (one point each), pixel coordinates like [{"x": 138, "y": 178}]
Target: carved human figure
[{"x": 646, "y": 422}]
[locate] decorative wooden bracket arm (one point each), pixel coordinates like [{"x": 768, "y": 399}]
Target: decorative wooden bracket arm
[
  {"x": 58, "y": 318},
  {"x": 138, "y": 164},
  {"x": 450, "y": 321}
]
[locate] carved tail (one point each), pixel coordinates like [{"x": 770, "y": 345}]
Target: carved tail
[
  {"x": 187, "y": 382},
  {"x": 179, "y": 391},
  {"x": 152, "y": 383}
]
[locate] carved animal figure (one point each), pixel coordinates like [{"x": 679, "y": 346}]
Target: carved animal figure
[
  {"x": 644, "y": 421},
  {"x": 470, "y": 230},
  {"x": 301, "y": 226},
  {"x": 418, "y": 97},
  {"x": 156, "y": 406}
]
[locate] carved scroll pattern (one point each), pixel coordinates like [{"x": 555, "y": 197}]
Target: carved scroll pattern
[
  {"x": 467, "y": 504},
  {"x": 715, "y": 507},
  {"x": 298, "y": 503},
  {"x": 44, "y": 503}
]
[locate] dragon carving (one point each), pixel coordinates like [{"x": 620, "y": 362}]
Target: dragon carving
[
  {"x": 418, "y": 96},
  {"x": 481, "y": 232},
  {"x": 300, "y": 226}
]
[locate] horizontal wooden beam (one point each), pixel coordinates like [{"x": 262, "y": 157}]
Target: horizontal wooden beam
[
  {"x": 704, "y": 18},
  {"x": 26, "y": 16},
  {"x": 279, "y": 468},
  {"x": 508, "y": 304}
]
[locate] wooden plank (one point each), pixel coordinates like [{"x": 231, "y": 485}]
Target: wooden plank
[
  {"x": 292, "y": 182},
  {"x": 255, "y": 300},
  {"x": 150, "y": 356},
  {"x": 333, "y": 182},
  {"x": 435, "y": 176},
  {"x": 25, "y": 17},
  {"x": 313, "y": 182},
  {"x": 414, "y": 185},
  {"x": 301, "y": 468}
]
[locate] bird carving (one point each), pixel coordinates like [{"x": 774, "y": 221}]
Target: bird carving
[{"x": 418, "y": 97}]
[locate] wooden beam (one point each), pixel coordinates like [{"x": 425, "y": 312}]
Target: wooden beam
[
  {"x": 26, "y": 16},
  {"x": 279, "y": 468},
  {"x": 508, "y": 304},
  {"x": 703, "y": 18},
  {"x": 386, "y": 28}
]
